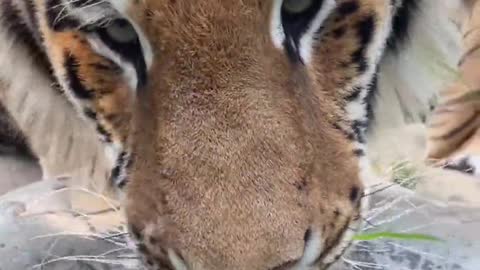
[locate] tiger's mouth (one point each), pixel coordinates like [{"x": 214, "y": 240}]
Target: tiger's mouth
[{"x": 346, "y": 241}]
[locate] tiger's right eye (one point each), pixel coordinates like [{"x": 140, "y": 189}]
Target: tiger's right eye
[
  {"x": 120, "y": 37},
  {"x": 296, "y": 6},
  {"x": 121, "y": 31}
]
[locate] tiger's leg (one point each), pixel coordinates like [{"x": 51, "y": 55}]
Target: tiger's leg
[{"x": 454, "y": 130}]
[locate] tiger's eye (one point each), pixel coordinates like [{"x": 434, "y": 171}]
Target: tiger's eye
[
  {"x": 121, "y": 31},
  {"x": 297, "y": 6}
]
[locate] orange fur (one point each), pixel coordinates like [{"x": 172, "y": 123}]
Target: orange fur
[
  {"x": 453, "y": 130},
  {"x": 236, "y": 157},
  {"x": 238, "y": 153}
]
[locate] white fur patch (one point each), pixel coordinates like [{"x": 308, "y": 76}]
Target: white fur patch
[
  {"x": 129, "y": 71},
  {"x": 113, "y": 151},
  {"x": 276, "y": 28},
  {"x": 121, "y": 5},
  {"x": 306, "y": 42},
  {"x": 146, "y": 47}
]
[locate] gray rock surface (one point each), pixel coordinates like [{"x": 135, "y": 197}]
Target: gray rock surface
[
  {"x": 16, "y": 172},
  {"x": 40, "y": 230},
  {"x": 399, "y": 210}
]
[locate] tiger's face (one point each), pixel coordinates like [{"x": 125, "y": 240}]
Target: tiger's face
[
  {"x": 237, "y": 162},
  {"x": 237, "y": 127}
]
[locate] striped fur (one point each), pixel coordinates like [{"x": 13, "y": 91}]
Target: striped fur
[
  {"x": 453, "y": 130},
  {"x": 74, "y": 87},
  {"x": 65, "y": 144}
]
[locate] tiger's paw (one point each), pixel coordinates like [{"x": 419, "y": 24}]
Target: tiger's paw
[{"x": 465, "y": 164}]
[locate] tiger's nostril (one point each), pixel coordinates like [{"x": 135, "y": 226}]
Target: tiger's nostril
[{"x": 308, "y": 235}]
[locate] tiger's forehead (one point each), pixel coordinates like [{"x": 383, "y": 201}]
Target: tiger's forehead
[
  {"x": 207, "y": 28},
  {"x": 211, "y": 6},
  {"x": 201, "y": 13}
]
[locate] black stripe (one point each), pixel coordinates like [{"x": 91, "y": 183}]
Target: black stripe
[
  {"x": 467, "y": 124},
  {"x": 119, "y": 164},
  {"x": 359, "y": 127},
  {"x": 124, "y": 161},
  {"x": 359, "y": 152},
  {"x": 71, "y": 65},
  {"x": 106, "y": 137},
  {"x": 11, "y": 137},
  {"x": 349, "y": 135},
  {"x": 18, "y": 28},
  {"x": 468, "y": 54},
  {"x": 348, "y": 8},
  {"x": 371, "y": 99},
  {"x": 401, "y": 23},
  {"x": 295, "y": 25},
  {"x": 354, "y": 94},
  {"x": 89, "y": 113},
  {"x": 33, "y": 20},
  {"x": 365, "y": 30}
]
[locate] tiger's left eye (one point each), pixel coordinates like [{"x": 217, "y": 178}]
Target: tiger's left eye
[{"x": 121, "y": 39}]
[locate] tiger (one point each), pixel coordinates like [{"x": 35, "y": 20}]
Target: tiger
[
  {"x": 453, "y": 130},
  {"x": 234, "y": 132}
]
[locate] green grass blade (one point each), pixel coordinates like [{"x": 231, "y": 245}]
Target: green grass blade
[{"x": 396, "y": 236}]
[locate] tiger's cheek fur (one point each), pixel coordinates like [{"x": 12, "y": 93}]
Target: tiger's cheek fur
[
  {"x": 99, "y": 81},
  {"x": 95, "y": 84}
]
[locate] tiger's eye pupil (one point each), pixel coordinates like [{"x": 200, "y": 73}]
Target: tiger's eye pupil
[
  {"x": 121, "y": 31},
  {"x": 297, "y": 6}
]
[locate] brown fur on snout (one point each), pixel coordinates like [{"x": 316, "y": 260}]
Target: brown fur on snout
[{"x": 234, "y": 160}]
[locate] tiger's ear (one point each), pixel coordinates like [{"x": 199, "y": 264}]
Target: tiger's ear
[{"x": 99, "y": 57}]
